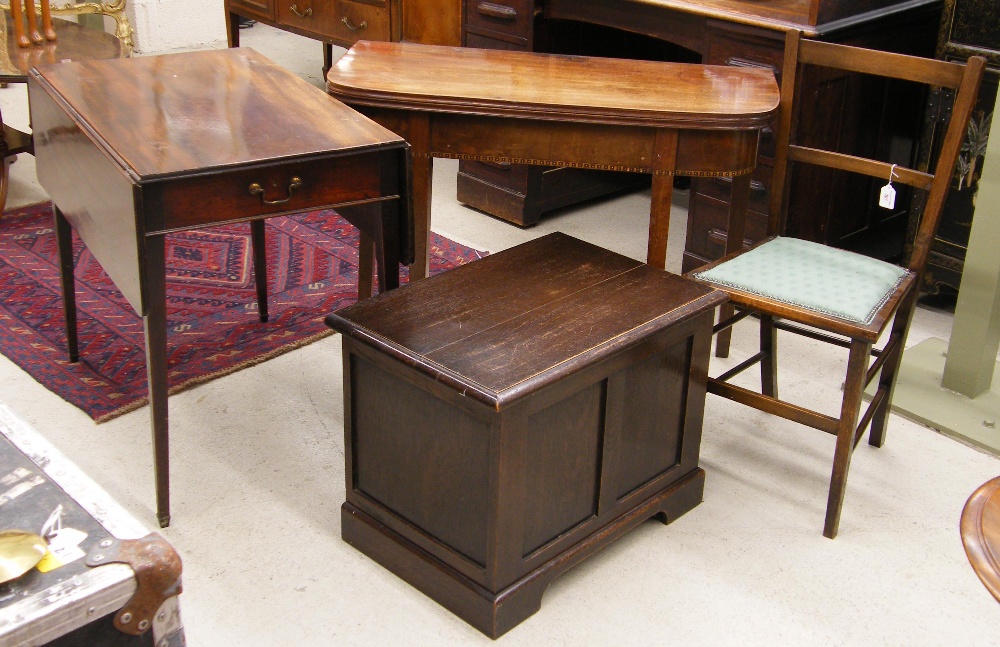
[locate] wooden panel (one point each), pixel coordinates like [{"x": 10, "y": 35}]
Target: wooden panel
[
  {"x": 92, "y": 191},
  {"x": 393, "y": 446},
  {"x": 562, "y": 475},
  {"x": 433, "y": 22},
  {"x": 650, "y": 443}
]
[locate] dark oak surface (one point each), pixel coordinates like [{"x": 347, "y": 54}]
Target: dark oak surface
[
  {"x": 657, "y": 118},
  {"x": 456, "y": 339},
  {"x": 509, "y": 418},
  {"x": 980, "y": 529},
  {"x": 130, "y": 150}
]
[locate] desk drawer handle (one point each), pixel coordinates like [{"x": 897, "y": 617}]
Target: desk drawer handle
[
  {"x": 497, "y": 11},
  {"x": 301, "y": 14},
  {"x": 256, "y": 189},
  {"x": 347, "y": 23}
]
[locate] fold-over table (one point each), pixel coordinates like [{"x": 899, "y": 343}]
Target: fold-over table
[{"x": 622, "y": 115}]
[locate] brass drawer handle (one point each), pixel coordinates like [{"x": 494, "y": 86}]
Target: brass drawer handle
[
  {"x": 301, "y": 14},
  {"x": 500, "y": 11},
  {"x": 347, "y": 22},
  {"x": 256, "y": 189}
]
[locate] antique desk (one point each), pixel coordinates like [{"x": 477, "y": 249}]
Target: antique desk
[
  {"x": 660, "y": 118},
  {"x": 343, "y": 22},
  {"x": 740, "y": 33},
  {"x": 545, "y": 400},
  {"x": 133, "y": 149},
  {"x": 74, "y": 43}
]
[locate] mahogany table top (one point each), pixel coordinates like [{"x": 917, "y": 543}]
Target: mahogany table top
[
  {"x": 74, "y": 43},
  {"x": 168, "y": 115},
  {"x": 554, "y": 87},
  {"x": 980, "y": 530}
]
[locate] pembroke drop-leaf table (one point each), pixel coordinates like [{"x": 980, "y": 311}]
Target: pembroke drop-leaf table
[
  {"x": 132, "y": 149},
  {"x": 500, "y": 106}
]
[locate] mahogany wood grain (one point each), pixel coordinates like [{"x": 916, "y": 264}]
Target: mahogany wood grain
[
  {"x": 980, "y": 530},
  {"x": 131, "y": 149},
  {"x": 658, "y": 118},
  {"x": 529, "y": 85},
  {"x": 533, "y": 421}
]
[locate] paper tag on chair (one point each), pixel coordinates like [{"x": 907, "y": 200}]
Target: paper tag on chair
[{"x": 887, "y": 197}]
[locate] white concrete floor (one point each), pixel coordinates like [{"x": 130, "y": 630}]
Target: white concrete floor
[{"x": 258, "y": 479}]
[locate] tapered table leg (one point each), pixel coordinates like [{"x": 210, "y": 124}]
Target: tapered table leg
[
  {"x": 259, "y": 242},
  {"x": 155, "y": 324},
  {"x": 64, "y": 241}
]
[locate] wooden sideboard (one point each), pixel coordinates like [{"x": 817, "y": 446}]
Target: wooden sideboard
[
  {"x": 725, "y": 32},
  {"x": 968, "y": 27},
  {"x": 344, "y": 22}
]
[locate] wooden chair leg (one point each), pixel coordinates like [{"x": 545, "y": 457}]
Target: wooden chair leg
[
  {"x": 890, "y": 370},
  {"x": 769, "y": 362},
  {"x": 857, "y": 366},
  {"x": 724, "y": 338}
]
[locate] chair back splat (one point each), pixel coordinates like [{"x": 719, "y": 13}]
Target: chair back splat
[{"x": 829, "y": 294}]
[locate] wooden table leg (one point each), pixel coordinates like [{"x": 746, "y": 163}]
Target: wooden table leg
[
  {"x": 259, "y": 243},
  {"x": 155, "y": 324},
  {"x": 64, "y": 241},
  {"x": 665, "y": 154},
  {"x": 423, "y": 175},
  {"x": 739, "y": 200}
]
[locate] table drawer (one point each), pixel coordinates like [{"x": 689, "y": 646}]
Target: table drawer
[
  {"x": 511, "y": 17},
  {"x": 340, "y": 20},
  {"x": 287, "y": 188},
  {"x": 721, "y": 188}
]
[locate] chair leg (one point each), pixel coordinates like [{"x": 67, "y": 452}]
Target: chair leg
[
  {"x": 890, "y": 370},
  {"x": 769, "y": 361},
  {"x": 857, "y": 366}
]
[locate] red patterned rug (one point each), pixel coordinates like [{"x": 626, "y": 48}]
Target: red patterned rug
[{"x": 213, "y": 328}]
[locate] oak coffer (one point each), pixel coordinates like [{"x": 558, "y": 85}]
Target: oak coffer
[{"x": 506, "y": 419}]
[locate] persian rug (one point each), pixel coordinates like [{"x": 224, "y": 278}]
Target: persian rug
[{"x": 212, "y": 324}]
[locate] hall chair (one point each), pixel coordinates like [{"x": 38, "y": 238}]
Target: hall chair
[{"x": 829, "y": 294}]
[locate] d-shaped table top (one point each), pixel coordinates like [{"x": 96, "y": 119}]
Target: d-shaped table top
[{"x": 554, "y": 87}]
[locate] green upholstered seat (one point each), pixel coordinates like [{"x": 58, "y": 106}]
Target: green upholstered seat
[{"x": 810, "y": 275}]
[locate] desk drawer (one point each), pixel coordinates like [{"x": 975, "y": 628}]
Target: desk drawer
[
  {"x": 225, "y": 197},
  {"x": 339, "y": 20},
  {"x": 510, "y": 17}
]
